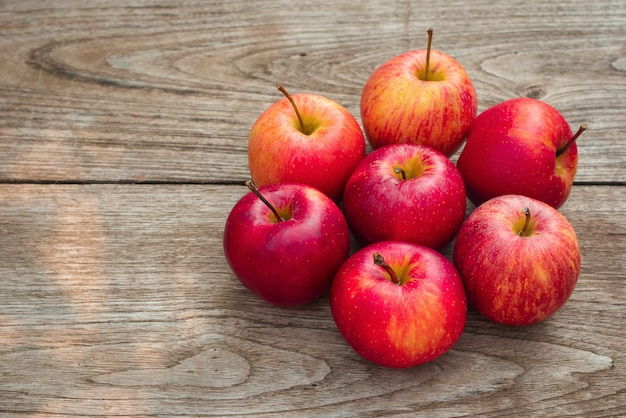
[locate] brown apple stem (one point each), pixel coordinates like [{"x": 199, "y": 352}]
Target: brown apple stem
[
  {"x": 250, "y": 184},
  {"x": 582, "y": 129},
  {"x": 400, "y": 171},
  {"x": 293, "y": 104},
  {"x": 430, "y": 40},
  {"x": 379, "y": 260},
  {"x": 524, "y": 230}
]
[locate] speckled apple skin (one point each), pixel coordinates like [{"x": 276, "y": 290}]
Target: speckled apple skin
[
  {"x": 289, "y": 263},
  {"x": 511, "y": 279},
  {"x": 399, "y": 326},
  {"x": 427, "y": 209},
  {"x": 398, "y": 107},
  {"x": 278, "y": 152},
  {"x": 511, "y": 149}
]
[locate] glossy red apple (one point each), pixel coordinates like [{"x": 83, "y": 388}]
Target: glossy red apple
[
  {"x": 407, "y": 193},
  {"x": 398, "y": 304},
  {"x": 285, "y": 242},
  {"x": 520, "y": 146},
  {"x": 519, "y": 259},
  {"x": 422, "y": 97},
  {"x": 305, "y": 138}
]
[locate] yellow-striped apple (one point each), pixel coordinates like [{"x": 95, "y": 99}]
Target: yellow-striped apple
[
  {"x": 405, "y": 192},
  {"x": 305, "y": 138},
  {"x": 520, "y": 146},
  {"x": 519, "y": 259},
  {"x": 422, "y": 97},
  {"x": 398, "y": 304},
  {"x": 285, "y": 242}
]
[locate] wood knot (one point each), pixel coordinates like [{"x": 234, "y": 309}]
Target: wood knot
[{"x": 533, "y": 92}]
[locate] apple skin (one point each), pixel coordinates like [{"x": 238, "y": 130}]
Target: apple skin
[
  {"x": 511, "y": 149},
  {"x": 292, "y": 262},
  {"x": 395, "y": 325},
  {"x": 517, "y": 280},
  {"x": 279, "y": 152},
  {"x": 427, "y": 208},
  {"x": 399, "y": 107}
]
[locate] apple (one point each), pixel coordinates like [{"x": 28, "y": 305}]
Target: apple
[
  {"x": 405, "y": 192},
  {"x": 518, "y": 258},
  {"x": 308, "y": 139},
  {"x": 421, "y": 96},
  {"x": 398, "y": 304},
  {"x": 285, "y": 242},
  {"x": 520, "y": 146}
]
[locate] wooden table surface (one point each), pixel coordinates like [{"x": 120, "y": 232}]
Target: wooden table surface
[{"x": 123, "y": 137}]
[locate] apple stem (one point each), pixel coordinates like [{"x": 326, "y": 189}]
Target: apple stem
[
  {"x": 293, "y": 104},
  {"x": 400, "y": 171},
  {"x": 250, "y": 184},
  {"x": 430, "y": 40},
  {"x": 379, "y": 260},
  {"x": 524, "y": 231},
  {"x": 582, "y": 129}
]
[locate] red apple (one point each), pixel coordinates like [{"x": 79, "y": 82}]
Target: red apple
[
  {"x": 305, "y": 138},
  {"x": 285, "y": 242},
  {"x": 520, "y": 146},
  {"x": 398, "y": 304},
  {"x": 518, "y": 258},
  {"x": 422, "y": 97},
  {"x": 407, "y": 193}
]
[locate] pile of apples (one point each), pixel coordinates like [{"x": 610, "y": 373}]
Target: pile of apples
[{"x": 396, "y": 299}]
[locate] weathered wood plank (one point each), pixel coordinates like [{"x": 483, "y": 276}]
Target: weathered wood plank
[
  {"x": 153, "y": 91},
  {"x": 116, "y": 299}
]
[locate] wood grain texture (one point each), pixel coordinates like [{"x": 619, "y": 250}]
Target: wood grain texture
[
  {"x": 168, "y": 91},
  {"x": 123, "y": 146},
  {"x": 117, "y": 301}
]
